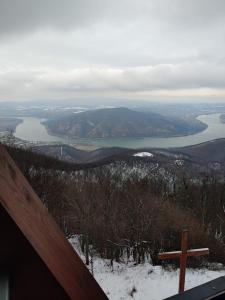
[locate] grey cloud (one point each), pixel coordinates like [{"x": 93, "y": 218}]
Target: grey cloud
[
  {"x": 50, "y": 48},
  {"x": 27, "y": 15},
  {"x": 149, "y": 78}
]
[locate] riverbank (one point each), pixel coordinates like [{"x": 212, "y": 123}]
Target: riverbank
[{"x": 32, "y": 129}]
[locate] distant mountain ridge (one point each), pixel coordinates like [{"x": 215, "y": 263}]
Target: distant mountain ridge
[
  {"x": 211, "y": 151},
  {"x": 120, "y": 122},
  {"x": 7, "y": 124}
]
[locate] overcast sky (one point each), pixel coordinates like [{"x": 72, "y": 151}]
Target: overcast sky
[{"x": 133, "y": 49}]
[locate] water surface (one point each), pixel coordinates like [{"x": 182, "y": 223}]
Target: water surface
[{"x": 33, "y": 130}]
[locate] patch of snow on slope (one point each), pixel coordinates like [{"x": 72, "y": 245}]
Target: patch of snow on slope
[
  {"x": 150, "y": 282},
  {"x": 143, "y": 154},
  {"x": 179, "y": 162}
]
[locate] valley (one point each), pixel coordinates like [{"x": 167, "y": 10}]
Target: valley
[
  {"x": 99, "y": 197},
  {"x": 112, "y": 150},
  {"x": 33, "y": 130}
]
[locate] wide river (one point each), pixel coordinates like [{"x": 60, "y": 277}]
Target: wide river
[{"x": 32, "y": 130}]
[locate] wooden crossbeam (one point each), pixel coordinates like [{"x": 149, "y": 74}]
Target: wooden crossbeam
[
  {"x": 183, "y": 255},
  {"x": 177, "y": 254}
]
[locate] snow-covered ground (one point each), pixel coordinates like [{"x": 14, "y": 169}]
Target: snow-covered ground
[
  {"x": 150, "y": 283},
  {"x": 144, "y": 281},
  {"x": 143, "y": 154}
]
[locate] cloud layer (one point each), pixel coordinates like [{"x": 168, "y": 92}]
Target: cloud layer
[{"x": 57, "y": 49}]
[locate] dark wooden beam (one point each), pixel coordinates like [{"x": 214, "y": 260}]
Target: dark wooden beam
[
  {"x": 33, "y": 219},
  {"x": 183, "y": 260},
  {"x": 169, "y": 255}
]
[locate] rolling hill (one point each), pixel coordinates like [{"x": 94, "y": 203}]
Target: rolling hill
[{"x": 120, "y": 122}]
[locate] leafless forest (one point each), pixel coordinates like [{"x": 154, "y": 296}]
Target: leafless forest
[{"x": 118, "y": 216}]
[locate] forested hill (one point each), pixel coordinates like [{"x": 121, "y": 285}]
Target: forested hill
[
  {"x": 27, "y": 158},
  {"x": 121, "y": 122},
  {"x": 142, "y": 203},
  {"x": 212, "y": 151}
]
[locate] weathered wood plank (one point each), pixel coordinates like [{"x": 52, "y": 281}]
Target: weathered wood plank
[
  {"x": 30, "y": 215},
  {"x": 177, "y": 254},
  {"x": 183, "y": 260},
  {"x": 214, "y": 289},
  {"x": 198, "y": 252},
  {"x": 169, "y": 255}
]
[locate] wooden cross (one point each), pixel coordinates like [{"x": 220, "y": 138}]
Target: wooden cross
[{"x": 182, "y": 255}]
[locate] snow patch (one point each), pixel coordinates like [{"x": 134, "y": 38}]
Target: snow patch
[
  {"x": 179, "y": 162},
  {"x": 143, "y": 154}
]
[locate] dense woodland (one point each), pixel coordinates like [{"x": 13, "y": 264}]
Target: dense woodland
[{"x": 129, "y": 217}]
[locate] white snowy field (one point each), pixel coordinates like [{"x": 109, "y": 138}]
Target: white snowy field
[
  {"x": 150, "y": 283},
  {"x": 146, "y": 281}
]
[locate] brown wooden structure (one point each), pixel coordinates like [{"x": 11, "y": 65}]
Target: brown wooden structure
[
  {"x": 38, "y": 260},
  {"x": 214, "y": 289},
  {"x": 182, "y": 255}
]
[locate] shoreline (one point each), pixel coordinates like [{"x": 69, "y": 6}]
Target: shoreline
[{"x": 139, "y": 142}]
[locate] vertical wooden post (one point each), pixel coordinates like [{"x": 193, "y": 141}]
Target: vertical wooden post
[
  {"x": 87, "y": 249},
  {"x": 183, "y": 260}
]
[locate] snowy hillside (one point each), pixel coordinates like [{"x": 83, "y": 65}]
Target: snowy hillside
[{"x": 144, "y": 281}]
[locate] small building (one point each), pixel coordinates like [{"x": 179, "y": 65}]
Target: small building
[
  {"x": 36, "y": 260},
  {"x": 214, "y": 289}
]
